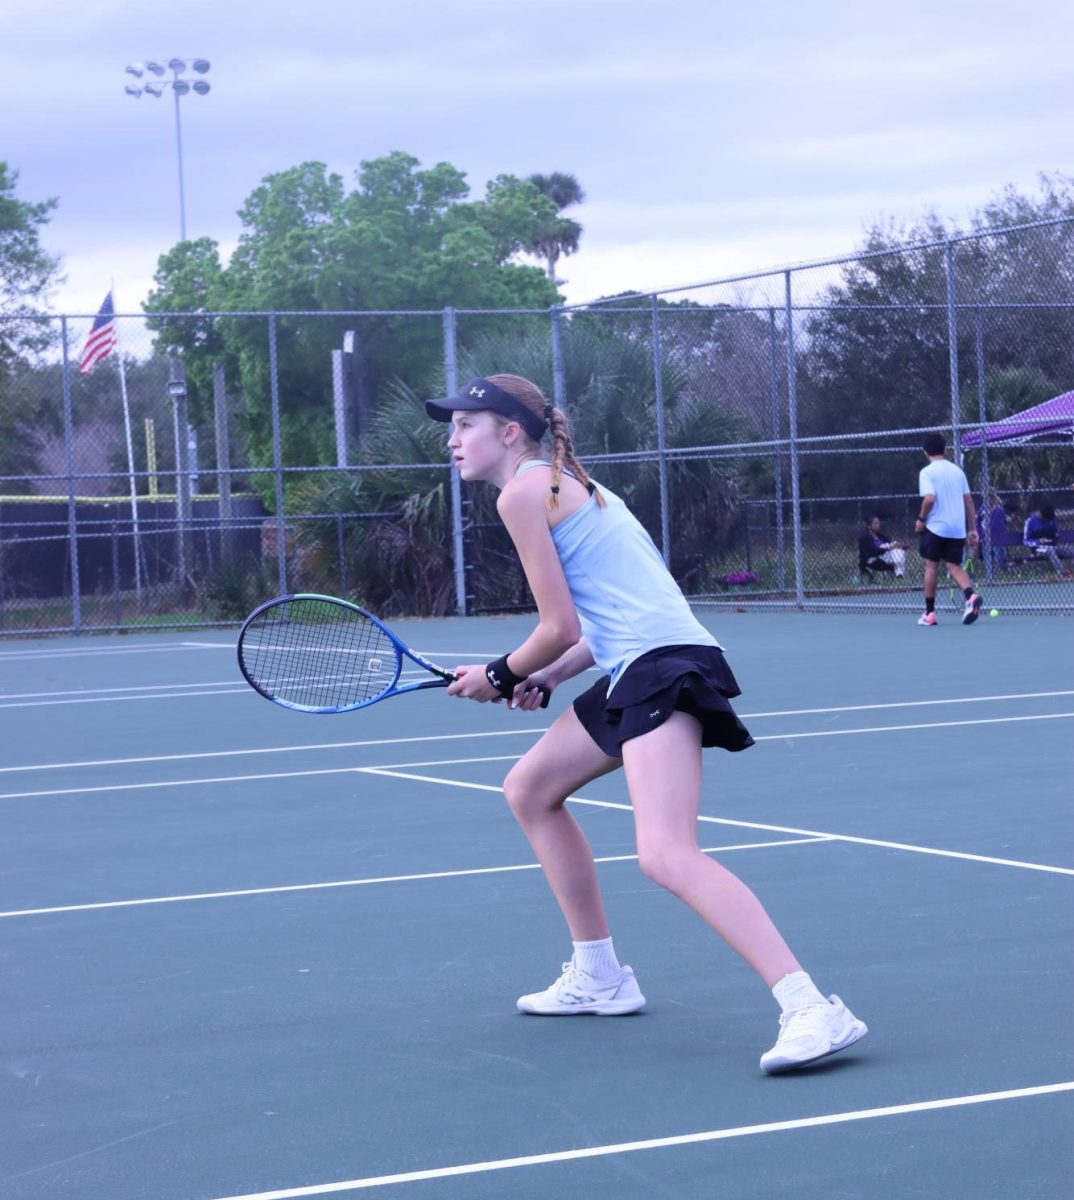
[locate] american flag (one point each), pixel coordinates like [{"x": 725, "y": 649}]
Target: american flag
[{"x": 102, "y": 337}]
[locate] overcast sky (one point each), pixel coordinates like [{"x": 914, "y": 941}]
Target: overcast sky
[{"x": 710, "y": 137}]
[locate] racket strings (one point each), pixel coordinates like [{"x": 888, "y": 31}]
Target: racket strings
[{"x": 318, "y": 655}]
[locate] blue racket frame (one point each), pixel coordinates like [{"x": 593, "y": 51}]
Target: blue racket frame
[{"x": 392, "y": 688}]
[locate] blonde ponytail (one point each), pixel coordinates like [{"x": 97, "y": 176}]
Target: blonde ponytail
[
  {"x": 559, "y": 428},
  {"x": 563, "y": 456}
]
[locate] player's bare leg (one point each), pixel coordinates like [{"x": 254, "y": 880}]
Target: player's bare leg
[
  {"x": 663, "y": 770},
  {"x": 537, "y": 787}
]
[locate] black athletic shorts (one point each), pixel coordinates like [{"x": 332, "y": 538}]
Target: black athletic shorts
[
  {"x": 692, "y": 679},
  {"x": 934, "y": 548}
]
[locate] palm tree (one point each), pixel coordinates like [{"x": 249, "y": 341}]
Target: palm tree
[{"x": 561, "y": 235}]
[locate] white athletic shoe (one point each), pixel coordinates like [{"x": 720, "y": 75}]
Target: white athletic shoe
[
  {"x": 575, "y": 993},
  {"x": 812, "y": 1032},
  {"x": 972, "y": 610}
]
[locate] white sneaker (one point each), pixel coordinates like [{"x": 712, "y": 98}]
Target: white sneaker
[
  {"x": 972, "y": 610},
  {"x": 575, "y": 993},
  {"x": 812, "y": 1032}
]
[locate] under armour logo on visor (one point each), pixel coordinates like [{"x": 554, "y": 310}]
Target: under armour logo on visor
[{"x": 478, "y": 392}]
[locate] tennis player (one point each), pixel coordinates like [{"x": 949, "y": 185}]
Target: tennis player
[
  {"x": 605, "y": 597},
  {"x": 946, "y": 522}
]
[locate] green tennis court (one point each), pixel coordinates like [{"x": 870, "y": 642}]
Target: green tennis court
[{"x": 249, "y": 953}]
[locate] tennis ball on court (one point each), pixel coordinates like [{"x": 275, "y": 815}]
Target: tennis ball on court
[{"x": 994, "y": 612}]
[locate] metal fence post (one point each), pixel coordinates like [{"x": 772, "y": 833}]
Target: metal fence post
[
  {"x": 792, "y": 431},
  {"x": 773, "y": 391},
  {"x": 181, "y": 422},
  {"x": 72, "y": 514},
  {"x": 339, "y": 408},
  {"x": 661, "y": 443},
  {"x": 559, "y": 388},
  {"x": 451, "y": 385},
  {"x": 223, "y": 455},
  {"x": 952, "y": 344},
  {"x": 277, "y": 456},
  {"x": 982, "y": 406}
]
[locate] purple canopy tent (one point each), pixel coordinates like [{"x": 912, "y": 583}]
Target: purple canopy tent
[{"x": 1055, "y": 416}]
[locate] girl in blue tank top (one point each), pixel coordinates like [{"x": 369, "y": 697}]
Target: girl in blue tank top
[{"x": 604, "y": 597}]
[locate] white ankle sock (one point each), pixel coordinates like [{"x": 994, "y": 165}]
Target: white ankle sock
[
  {"x": 796, "y": 991},
  {"x": 597, "y": 958}
]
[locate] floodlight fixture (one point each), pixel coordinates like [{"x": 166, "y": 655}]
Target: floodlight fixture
[
  {"x": 180, "y": 87},
  {"x": 176, "y": 388}
]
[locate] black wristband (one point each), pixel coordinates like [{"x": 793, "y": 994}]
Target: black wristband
[{"x": 502, "y": 678}]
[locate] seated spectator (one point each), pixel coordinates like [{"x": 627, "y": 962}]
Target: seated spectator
[
  {"x": 1041, "y": 535},
  {"x": 878, "y": 552}
]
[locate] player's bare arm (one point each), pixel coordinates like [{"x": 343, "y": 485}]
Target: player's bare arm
[{"x": 523, "y": 510}]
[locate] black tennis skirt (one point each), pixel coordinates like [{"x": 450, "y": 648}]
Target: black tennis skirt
[{"x": 691, "y": 679}]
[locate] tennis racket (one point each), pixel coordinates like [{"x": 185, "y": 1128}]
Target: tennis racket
[
  {"x": 958, "y": 601},
  {"x": 318, "y": 654}
]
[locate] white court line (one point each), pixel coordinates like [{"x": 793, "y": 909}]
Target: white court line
[
  {"x": 167, "y": 647},
  {"x": 103, "y": 652},
  {"x": 110, "y": 762},
  {"x": 167, "y": 689},
  {"x": 774, "y": 737},
  {"x": 153, "y": 758},
  {"x": 104, "y": 692},
  {"x": 179, "y": 691},
  {"x": 342, "y": 883},
  {"x": 822, "y": 835},
  {"x": 801, "y": 712},
  {"x": 792, "y": 734},
  {"x": 170, "y": 783},
  {"x": 661, "y": 1143},
  {"x": 171, "y": 694}
]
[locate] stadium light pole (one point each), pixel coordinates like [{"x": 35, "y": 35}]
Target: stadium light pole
[
  {"x": 155, "y": 85},
  {"x": 180, "y": 86}
]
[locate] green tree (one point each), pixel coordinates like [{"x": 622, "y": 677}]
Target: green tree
[
  {"x": 874, "y": 349},
  {"x": 190, "y": 279},
  {"x": 557, "y": 235},
  {"x": 405, "y": 238},
  {"x": 27, "y": 273}
]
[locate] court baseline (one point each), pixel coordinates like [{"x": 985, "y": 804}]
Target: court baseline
[{"x": 686, "y": 1139}]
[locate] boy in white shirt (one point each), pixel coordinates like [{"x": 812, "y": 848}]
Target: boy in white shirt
[{"x": 946, "y": 522}]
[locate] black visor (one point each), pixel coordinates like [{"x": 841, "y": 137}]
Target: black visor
[{"x": 481, "y": 394}]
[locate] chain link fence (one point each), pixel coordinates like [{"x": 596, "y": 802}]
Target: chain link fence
[{"x": 756, "y": 425}]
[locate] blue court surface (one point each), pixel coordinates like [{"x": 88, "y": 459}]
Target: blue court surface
[{"x": 250, "y": 953}]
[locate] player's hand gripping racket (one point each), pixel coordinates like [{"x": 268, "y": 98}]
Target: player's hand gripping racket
[{"x": 318, "y": 654}]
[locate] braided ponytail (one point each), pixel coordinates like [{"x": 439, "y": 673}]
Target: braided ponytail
[
  {"x": 559, "y": 429},
  {"x": 563, "y": 456}
]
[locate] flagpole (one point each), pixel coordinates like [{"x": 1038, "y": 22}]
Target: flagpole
[{"x": 130, "y": 464}]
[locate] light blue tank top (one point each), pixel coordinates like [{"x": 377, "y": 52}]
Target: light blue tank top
[{"x": 626, "y": 599}]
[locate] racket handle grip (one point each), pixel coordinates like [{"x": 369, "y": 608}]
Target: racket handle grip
[{"x": 546, "y": 695}]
